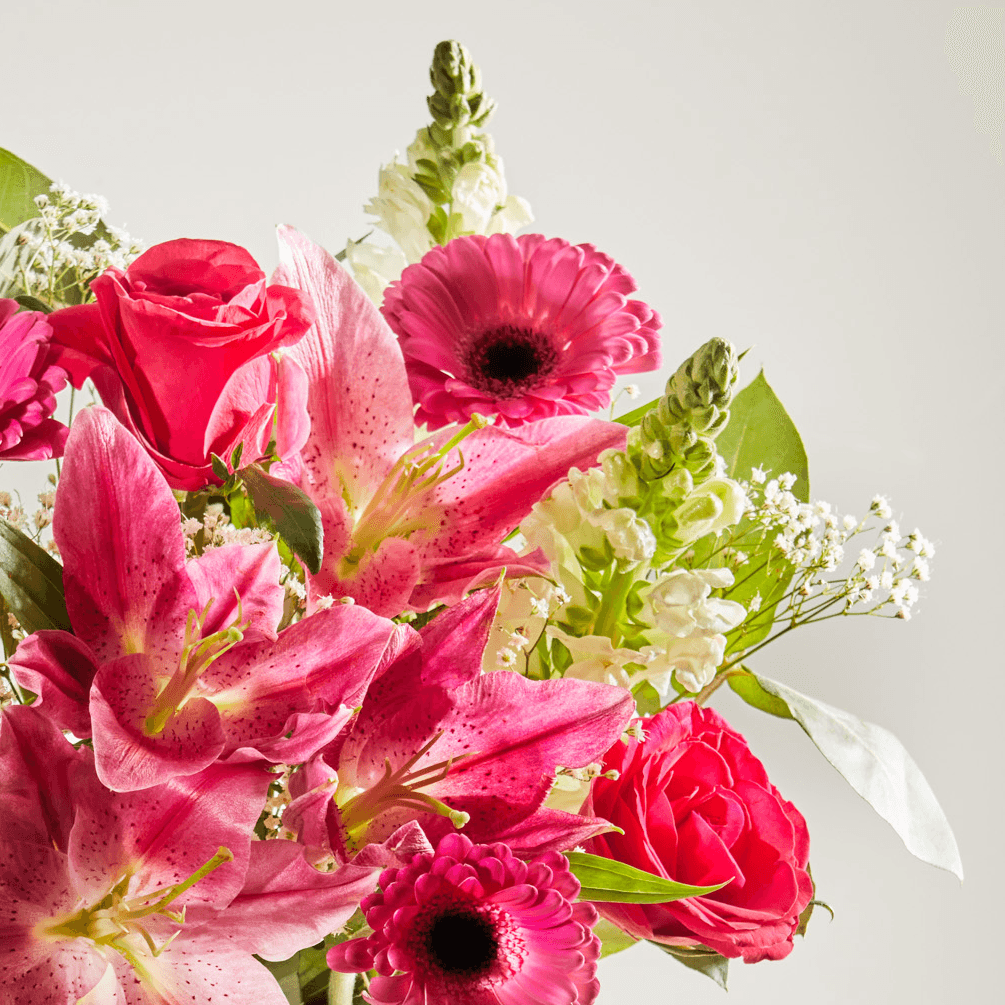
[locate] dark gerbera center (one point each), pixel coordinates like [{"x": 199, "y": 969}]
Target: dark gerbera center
[
  {"x": 462, "y": 943},
  {"x": 509, "y": 360}
]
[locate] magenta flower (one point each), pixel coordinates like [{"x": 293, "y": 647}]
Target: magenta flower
[
  {"x": 29, "y": 380},
  {"x": 175, "y": 664},
  {"x": 408, "y": 526},
  {"x": 518, "y": 327},
  {"x": 150, "y": 897},
  {"x": 475, "y": 925},
  {"x": 439, "y": 742}
]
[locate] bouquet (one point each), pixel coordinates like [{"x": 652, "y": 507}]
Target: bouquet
[{"x": 357, "y": 652}]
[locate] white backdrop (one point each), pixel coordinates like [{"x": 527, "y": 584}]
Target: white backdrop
[{"x": 821, "y": 181}]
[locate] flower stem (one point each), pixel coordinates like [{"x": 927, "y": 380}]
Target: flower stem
[{"x": 340, "y": 988}]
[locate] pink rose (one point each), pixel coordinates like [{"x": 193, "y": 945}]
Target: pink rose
[
  {"x": 29, "y": 380},
  {"x": 177, "y": 346},
  {"x": 697, "y": 807}
]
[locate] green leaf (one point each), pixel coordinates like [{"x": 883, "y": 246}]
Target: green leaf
[
  {"x": 746, "y": 685},
  {"x": 612, "y": 939},
  {"x": 876, "y": 765},
  {"x": 295, "y": 517},
  {"x": 635, "y": 416},
  {"x": 705, "y": 961},
  {"x": 31, "y": 582},
  {"x": 285, "y": 973},
  {"x": 610, "y": 882},
  {"x": 30, "y": 303},
  {"x": 19, "y": 184},
  {"x": 760, "y": 433}
]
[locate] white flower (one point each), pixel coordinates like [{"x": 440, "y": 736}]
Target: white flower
[
  {"x": 754, "y": 604},
  {"x": 633, "y": 391},
  {"x": 374, "y": 267},
  {"x": 849, "y": 522},
  {"x": 506, "y": 657},
  {"x": 921, "y": 569},
  {"x": 514, "y": 214},
  {"x": 680, "y": 602},
  {"x": 630, "y": 536},
  {"x": 881, "y": 507},
  {"x": 757, "y": 475},
  {"x": 693, "y": 660},
  {"x": 402, "y": 209},
  {"x": 595, "y": 658},
  {"x": 478, "y": 188},
  {"x": 866, "y": 559},
  {"x": 787, "y": 480}
]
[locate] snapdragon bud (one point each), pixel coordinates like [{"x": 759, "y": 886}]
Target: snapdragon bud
[
  {"x": 458, "y": 102},
  {"x": 681, "y": 429}
]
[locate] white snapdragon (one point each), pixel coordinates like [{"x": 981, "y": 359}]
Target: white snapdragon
[
  {"x": 595, "y": 658},
  {"x": 689, "y": 627},
  {"x": 402, "y": 210},
  {"x": 374, "y": 266},
  {"x": 478, "y": 189},
  {"x": 631, "y": 538}
]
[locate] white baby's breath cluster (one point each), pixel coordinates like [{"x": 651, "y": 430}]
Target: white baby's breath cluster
[
  {"x": 217, "y": 531},
  {"x": 51, "y": 259},
  {"x": 525, "y": 606},
  {"x": 33, "y": 524},
  {"x": 275, "y": 805},
  {"x": 816, "y": 539}
]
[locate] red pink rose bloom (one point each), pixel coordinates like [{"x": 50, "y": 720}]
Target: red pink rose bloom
[{"x": 696, "y": 806}]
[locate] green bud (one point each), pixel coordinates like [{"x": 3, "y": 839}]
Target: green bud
[
  {"x": 458, "y": 100},
  {"x": 680, "y": 430}
]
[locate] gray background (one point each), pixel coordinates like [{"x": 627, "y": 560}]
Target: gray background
[{"x": 821, "y": 181}]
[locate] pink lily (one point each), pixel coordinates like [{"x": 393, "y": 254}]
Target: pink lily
[
  {"x": 439, "y": 742},
  {"x": 409, "y": 525},
  {"x": 147, "y": 898},
  {"x": 176, "y": 664}
]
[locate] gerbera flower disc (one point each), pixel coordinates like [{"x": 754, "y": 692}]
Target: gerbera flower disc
[
  {"x": 474, "y": 925},
  {"x": 519, "y": 327}
]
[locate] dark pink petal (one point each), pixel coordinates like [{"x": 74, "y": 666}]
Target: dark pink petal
[
  {"x": 37, "y": 771},
  {"x": 59, "y": 668},
  {"x": 286, "y": 904},
  {"x": 293, "y": 421},
  {"x": 359, "y": 405},
  {"x": 446, "y": 581},
  {"x": 504, "y": 474},
  {"x": 549, "y": 830},
  {"x": 81, "y": 336},
  {"x": 250, "y": 389},
  {"x": 119, "y": 533},
  {"x": 453, "y": 642},
  {"x": 239, "y": 578},
  {"x": 126, "y": 756}
]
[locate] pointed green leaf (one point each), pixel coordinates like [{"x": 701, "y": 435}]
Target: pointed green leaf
[
  {"x": 606, "y": 881},
  {"x": 705, "y": 961},
  {"x": 612, "y": 939},
  {"x": 19, "y": 184},
  {"x": 635, "y": 416},
  {"x": 878, "y": 768},
  {"x": 30, "y": 303},
  {"x": 31, "y": 582},
  {"x": 295, "y": 517},
  {"x": 746, "y": 685},
  {"x": 760, "y": 433}
]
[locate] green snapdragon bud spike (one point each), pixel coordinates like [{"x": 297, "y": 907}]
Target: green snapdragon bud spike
[
  {"x": 458, "y": 101},
  {"x": 681, "y": 429}
]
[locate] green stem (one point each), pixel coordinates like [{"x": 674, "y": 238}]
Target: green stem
[
  {"x": 340, "y": 988},
  {"x": 606, "y": 622}
]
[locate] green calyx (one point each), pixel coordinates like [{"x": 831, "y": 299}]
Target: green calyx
[{"x": 680, "y": 431}]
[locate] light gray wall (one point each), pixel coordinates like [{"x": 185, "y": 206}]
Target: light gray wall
[{"x": 809, "y": 178}]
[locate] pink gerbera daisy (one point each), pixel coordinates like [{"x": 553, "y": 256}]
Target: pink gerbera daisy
[
  {"x": 473, "y": 925},
  {"x": 518, "y": 327}
]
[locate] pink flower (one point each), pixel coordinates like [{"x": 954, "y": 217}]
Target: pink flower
[
  {"x": 175, "y": 664},
  {"x": 518, "y": 327},
  {"x": 697, "y": 807},
  {"x": 439, "y": 742},
  {"x": 409, "y": 526},
  {"x": 157, "y": 896},
  {"x": 473, "y": 924},
  {"x": 29, "y": 380},
  {"x": 177, "y": 346}
]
